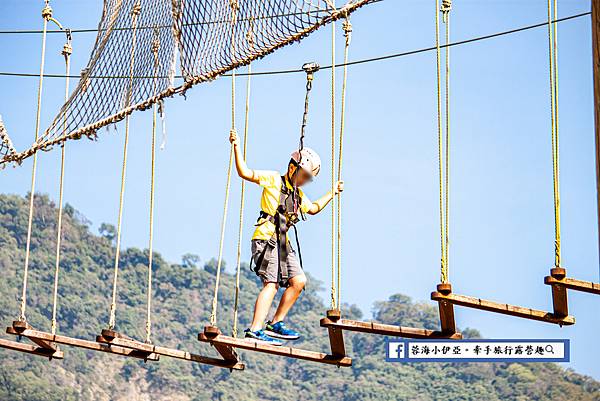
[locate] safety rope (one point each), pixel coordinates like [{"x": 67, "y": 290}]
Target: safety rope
[
  {"x": 155, "y": 48},
  {"x": 347, "y": 26},
  {"x": 47, "y": 16},
  {"x": 66, "y": 52},
  {"x": 333, "y": 226},
  {"x": 553, "y": 58},
  {"x": 113, "y": 306},
  {"x": 443, "y": 143},
  {"x": 213, "y": 315},
  {"x": 250, "y": 37}
]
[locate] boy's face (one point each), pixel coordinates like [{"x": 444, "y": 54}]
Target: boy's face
[{"x": 299, "y": 176}]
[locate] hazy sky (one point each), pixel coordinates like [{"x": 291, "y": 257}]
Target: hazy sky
[{"x": 501, "y": 195}]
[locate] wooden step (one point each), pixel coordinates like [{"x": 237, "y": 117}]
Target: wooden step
[
  {"x": 573, "y": 284},
  {"x": 126, "y": 342},
  {"x": 31, "y": 349},
  {"x": 386, "y": 329},
  {"x": 79, "y": 343},
  {"x": 505, "y": 309},
  {"x": 21, "y": 326},
  {"x": 253, "y": 345}
]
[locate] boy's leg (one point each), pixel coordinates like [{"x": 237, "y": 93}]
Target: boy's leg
[
  {"x": 290, "y": 296},
  {"x": 263, "y": 304}
]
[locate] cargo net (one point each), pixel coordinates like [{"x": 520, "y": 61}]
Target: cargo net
[
  {"x": 142, "y": 43},
  {"x": 6, "y": 146}
]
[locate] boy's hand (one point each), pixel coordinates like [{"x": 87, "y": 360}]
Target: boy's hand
[
  {"x": 339, "y": 187},
  {"x": 233, "y": 138}
]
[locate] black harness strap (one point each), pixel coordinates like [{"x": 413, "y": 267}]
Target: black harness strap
[{"x": 286, "y": 216}]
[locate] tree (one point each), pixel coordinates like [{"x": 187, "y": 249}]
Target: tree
[
  {"x": 108, "y": 231},
  {"x": 190, "y": 260}
]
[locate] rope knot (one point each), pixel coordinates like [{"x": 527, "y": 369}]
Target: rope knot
[
  {"x": 47, "y": 12},
  {"x": 250, "y": 33},
  {"x": 155, "y": 46},
  {"x": 347, "y": 27},
  {"x": 85, "y": 81},
  {"x": 445, "y": 9},
  {"x": 67, "y": 49},
  {"x": 137, "y": 8}
]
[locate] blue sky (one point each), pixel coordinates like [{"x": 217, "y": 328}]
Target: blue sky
[{"x": 501, "y": 195}]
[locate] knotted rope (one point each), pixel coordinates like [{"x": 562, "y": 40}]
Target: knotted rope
[
  {"x": 443, "y": 155},
  {"x": 135, "y": 12},
  {"x": 155, "y": 48},
  {"x": 213, "y": 314},
  {"x": 47, "y": 16},
  {"x": 66, "y": 52},
  {"x": 234, "y": 331},
  {"x": 553, "y": 72}
]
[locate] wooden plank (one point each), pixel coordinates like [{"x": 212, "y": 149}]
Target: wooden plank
[
  {"x": 505, "y": 309},
  {"x": 447, "y": 320},
  {"x": 21, "y": 326},
  {"x": 85, "y": 344},
  {"x": 573, "y": 284},
  {"x": 560, "y": 303},
  {"x": 289, "y": 352},
  {"x": 336, "y": 341},
  {"x": 228, "y": 353},
  {"x": 336, "y": 335},
  {"x": 31, "y": 349},
  {"x": 121, "y": 341},
  {"x": 386, "y": 329}
]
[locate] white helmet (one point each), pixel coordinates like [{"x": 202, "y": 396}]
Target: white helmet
[{"x": 308, "y": 160}]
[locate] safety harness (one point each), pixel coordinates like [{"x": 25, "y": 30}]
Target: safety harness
[{"x": 288, "y": 213}]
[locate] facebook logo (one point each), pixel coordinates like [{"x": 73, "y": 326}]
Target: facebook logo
[{"x": 395, "y": 351}]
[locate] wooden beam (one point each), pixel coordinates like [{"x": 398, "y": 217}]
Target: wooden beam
[
  {"x": 386, "y": 329},
  {"x": 336, "y": 335},
  {"x": 31, "y": 349},
  {"x": 227, "y": 352},
  {"x": 596, "y": 69},
  {"x": 446, "y": 310},
  {"x": 169, "y": 352},
  {"x": 79, "y": 343},
  {"x": 560, "y": 303},
  {"x": 573, "y": 284},
  {"x": 505, "y": 309},
  {"x": 21, "y": 326},
  {"x": 289, "y": 352}
]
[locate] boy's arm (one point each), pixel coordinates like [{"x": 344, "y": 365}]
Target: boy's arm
[
  {"x": 323, "y": 201},
  {"x": 240, "y": 164}
]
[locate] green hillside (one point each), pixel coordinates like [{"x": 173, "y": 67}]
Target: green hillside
[{"x": 182, "y": 299}]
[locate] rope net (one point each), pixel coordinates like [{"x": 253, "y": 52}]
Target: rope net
[
  {"x": 6, "y": 146},
  {"x": 196, "y": 37}
]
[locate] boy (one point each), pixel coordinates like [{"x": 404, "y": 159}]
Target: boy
[{"x": 282, "y": 205}]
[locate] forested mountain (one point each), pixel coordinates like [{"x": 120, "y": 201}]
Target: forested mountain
[{"x": 182, "y": 301}]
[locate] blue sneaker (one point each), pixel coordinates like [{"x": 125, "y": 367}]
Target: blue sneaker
[
  {"x": 259, "y": 335},
  {"x": 278, "y": 330}
]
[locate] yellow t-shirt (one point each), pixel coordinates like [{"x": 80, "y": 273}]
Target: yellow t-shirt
[{"x": 269, "y": 201}]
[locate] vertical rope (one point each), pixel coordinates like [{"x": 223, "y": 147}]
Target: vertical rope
[
  {"x": 553, "y": 59},
  {"x": 347, "y": 26},
  {"x": 443, "y": 276},
  {"x": 46, "y": 15},
  {"x": 113, "y": 306},
  {"x": 446, "y": 7},
  {"x": 155, "y": 48},
  {"x": 213, "y": 314},
  {"x": 250, "y": 37},
  {"x": 66, "y": 52},
  {"x": 333, "y": 226}
]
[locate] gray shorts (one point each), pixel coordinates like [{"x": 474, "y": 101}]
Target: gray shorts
[{"x": 272, "y": 258}]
